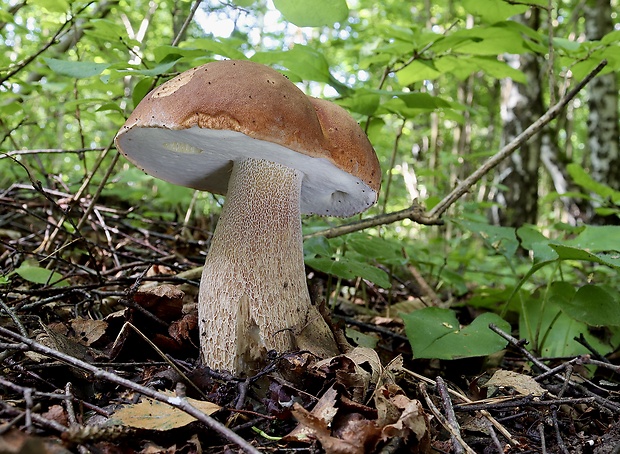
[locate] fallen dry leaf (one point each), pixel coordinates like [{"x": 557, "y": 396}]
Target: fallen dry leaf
[
  {"x": 413, "y": 419},
  {"x": 155, "y": 415},
  {"x": 88, "y": 331},
  {"x": 19, "y": 442},
  {"x": 61, "y": 343},
  {"x": 522, "y": 384}
]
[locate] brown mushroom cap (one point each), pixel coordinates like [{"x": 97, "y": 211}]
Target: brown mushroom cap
[{"x": 189, "y": 130}]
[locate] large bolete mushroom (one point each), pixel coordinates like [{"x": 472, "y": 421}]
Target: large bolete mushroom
[{"x": 243, "y": 129}]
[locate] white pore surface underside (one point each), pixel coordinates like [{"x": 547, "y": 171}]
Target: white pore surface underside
[{"x": 202, "y": 159}]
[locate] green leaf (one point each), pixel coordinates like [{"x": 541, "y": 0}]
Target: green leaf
[
  {"x": 581, "y": 177},
  {"x": 375, "y": 247},
  {"x": 32, "y": 272},
  {"x": 361, "y": 339},
  {"x": 318, "y": 245},
  {"x": 315, "y": 13},
  {"x": 303, "y": 62},
  {"x": 464, "y": 65},
  {"x": 140, "y": 90},
  {"x": 157, "y": 70},
  {"x": 533, "y": 240},
  {"x": 6, "y": 17},
  {"x": 492, "y": 297},
  {"x": 107, "y": 30},
  {"x": 457, "y": 282},
  {"x": 566, "y": 44},
  {"x": 424, "y": 101},
  {"x": 611, "y": 38},
  {"x": 53, "y": 6},
  {"x": 244, "y": 3},
  {"x": 109, "y": 106},
  {"x": 498, "y": 69},
  {"x": 226, "y": 47},
  {"x": 12, "y": 107},
  {"x": 557, "y": 331},
  {"x": 417, "y": 71},
  {"x": 501, "y": 239},
  {"x": 364, "y": 103},
  {"x": 492, "y": 11},
  {"x": 435, "y": 333},
  {"x": 572, "y": 253},
  {"x": 346, "y": 268},
  {"x": 594, "y": 305},
  {"x": 409, "y": 105},
  {"x": 503, "y": 37},
  {"x": 77, "y": 69},
  {"x": 597, "y": 238}
]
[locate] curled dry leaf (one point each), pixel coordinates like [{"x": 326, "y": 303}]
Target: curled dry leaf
[
  {"x": 412, "y": 419},
  {"x": 322, "y": 415},
  {"x": 319, "y": 429},
  {"x": 165, "y": 301},
  {"x": 350, "y": 426},
  {"x": 357, "y": 371},
  {"x": 56, "y": 413},
  {"x": 16, "y": 441},
  {"x": 180, "y": 330},
  {"x": 400, "y": 416},
  {"x": 158, "y": 270}
]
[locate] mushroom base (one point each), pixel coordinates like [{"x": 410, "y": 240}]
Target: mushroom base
[{"x": 253, "y": 293}]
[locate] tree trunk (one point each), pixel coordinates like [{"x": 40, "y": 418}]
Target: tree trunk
[
  {"x": 603, "y": 131},
  {"x": 516, "y": 192}
]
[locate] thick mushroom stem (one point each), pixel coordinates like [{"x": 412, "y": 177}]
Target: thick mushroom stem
[{"x": 253, "y": 292}]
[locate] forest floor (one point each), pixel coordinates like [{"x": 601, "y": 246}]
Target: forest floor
[{"x": 93, "y": 322}]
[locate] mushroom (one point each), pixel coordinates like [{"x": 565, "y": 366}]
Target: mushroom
[{"x": 242, "y": 129}]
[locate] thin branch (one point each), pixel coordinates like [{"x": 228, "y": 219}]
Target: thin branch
[
  {"x": 444, "y": 422},
  {"x": 415, "y": 212},
  {"x": 533, "y": 129},
  {"x": 433, "y": 217},
  {"x": 8, "y": 154},
  {"x": 450, "y": 416},
  {"x": 188, "y": 20}
]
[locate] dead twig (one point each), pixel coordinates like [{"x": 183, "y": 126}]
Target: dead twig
[
  {"x": 442, "y": 389},
  {"x": 444, "y": 422}
]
